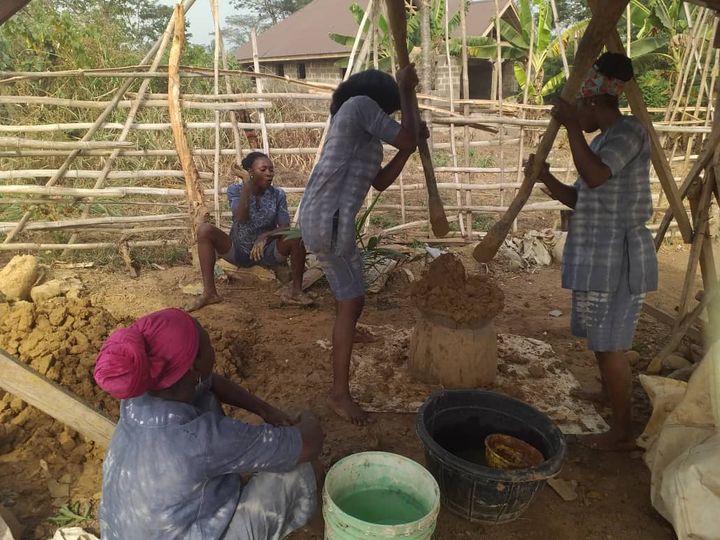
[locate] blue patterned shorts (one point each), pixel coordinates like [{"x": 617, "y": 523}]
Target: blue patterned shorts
[
  {"x": 271, "y": 256},
  {"x": 344, "y": 274},
  {"x": 607, "y": 320}
]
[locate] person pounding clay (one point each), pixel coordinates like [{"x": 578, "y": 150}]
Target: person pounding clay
[
  {"x": 350, "y": 163},
  {"x": 259, "y": 209},
  {"x": 177, "y": 467},
  {"x": 609, "y": 261}
]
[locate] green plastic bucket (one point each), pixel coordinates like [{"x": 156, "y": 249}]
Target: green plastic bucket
[{"x": 376, "y": 495}]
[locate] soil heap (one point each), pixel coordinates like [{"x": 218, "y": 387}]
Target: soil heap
[{"x": 446, "y": 291}]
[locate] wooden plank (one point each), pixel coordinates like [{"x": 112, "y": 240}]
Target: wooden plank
[
  {"x": 40, "y": 392},
  {"x": 664, "y": 317}
]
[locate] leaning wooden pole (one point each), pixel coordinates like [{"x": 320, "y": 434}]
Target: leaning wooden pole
[
  {"x": 588, "y": 49},
  {"x": 198, "y": 210},
  {"x": 37, "y": 390},
  {"x": 398, "y": 24},
  {"x": 216, "y": 91}
]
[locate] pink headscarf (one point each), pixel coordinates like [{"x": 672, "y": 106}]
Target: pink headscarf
[
  {"x": 596, "y": 84},
  {"x": 151, "y": 354}
]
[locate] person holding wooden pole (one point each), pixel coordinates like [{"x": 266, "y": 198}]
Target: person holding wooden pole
[
  {"x": 609, "y": 261},
  {"x": 350, "y": 163}
]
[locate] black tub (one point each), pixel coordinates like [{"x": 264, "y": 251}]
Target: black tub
[{"x": 452, "y": 426}]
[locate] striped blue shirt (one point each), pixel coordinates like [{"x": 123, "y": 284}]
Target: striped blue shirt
[
  {"x": 350, "y": 161},
  {"x": 609, "y": 221}
]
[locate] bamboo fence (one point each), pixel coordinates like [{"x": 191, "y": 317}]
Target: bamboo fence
[{"x": 125, "y": 176}]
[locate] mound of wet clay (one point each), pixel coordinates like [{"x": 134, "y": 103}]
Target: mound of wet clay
[
  {"x": 446, "y": 291},
  {"x": 60, "y": 338}
]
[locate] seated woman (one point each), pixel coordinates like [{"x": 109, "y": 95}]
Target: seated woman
[
  {"x": 175, "y": 465},
  {"x": 258, "y": 210}
]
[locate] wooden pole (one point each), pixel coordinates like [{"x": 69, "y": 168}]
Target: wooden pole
[
  {"x": 526, "y": 91},
  {"x": 703, "y": 159},
  {"x": 702, "y": 215},
  {"x": 453, "y": 147},
  {"x": 682, "y": 329},
  {"x": 499, "y": 96},
  {"x": 466, "y": 109},
  {"x": 216, "y": 90},
  {"x": 426, "y": 54},
  {"x": 193, "y": 186},
  {"x": 398, "y": 24},
  {"x": 587, "y": 52},
  {"x": 37, "y": 390},
  {"x": 561, "y": 44},
  {"x": 259, "y": 87}
]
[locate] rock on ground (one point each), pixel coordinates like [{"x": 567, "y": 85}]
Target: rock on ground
[{"x": 18, "y": 277}]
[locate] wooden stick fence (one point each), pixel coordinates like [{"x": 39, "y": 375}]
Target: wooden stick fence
[{"x": 90, "y": 188}]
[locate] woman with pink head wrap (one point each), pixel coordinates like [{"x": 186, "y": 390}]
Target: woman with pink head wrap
[
  {"x": 609, "y": 260},
  {"x": 175, "y": 464}
]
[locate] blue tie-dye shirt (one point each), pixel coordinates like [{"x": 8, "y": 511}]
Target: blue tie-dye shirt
[{"x": 173, "y": 470}]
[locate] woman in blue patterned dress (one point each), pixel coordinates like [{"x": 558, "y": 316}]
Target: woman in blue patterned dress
[
  {"x": 351, "y": 162},
  {"x": 259, "y": 209}
]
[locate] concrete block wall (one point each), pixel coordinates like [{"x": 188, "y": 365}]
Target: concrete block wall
[
  {"x": 444, "y": 78},
  {"x": 326, "y": 71}
]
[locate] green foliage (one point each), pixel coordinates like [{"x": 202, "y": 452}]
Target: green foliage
[
  {"x": 656, "y": 88},
  {"x": 516, "y": 45},
  {"x": 478, "y": 160},
  {"x": 71, "y": 515},
  {"x": 440, "y": 158},
  {"x": 572, "y": 11}
]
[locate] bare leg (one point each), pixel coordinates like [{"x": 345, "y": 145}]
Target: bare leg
[
  {"x": 617, "y": 377},
  {"x": 340, "y": 400},
  {"x": 295, "y": 249},
  {"x": 210, "y": 240}
]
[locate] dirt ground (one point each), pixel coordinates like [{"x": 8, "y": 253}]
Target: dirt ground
[{"x": 273, "y": 351}]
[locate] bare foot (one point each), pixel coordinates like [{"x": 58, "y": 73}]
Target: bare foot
[
  {"x": 363, "y": 335},
  {"x": 345, "y": 407},
  {"x": 609, "y": 441},
  {"x": 594, "y": 397},
  {"x": 202, "y": 301},
  {"x": 296, "y": 298}
]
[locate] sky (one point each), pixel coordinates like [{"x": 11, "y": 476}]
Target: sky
[{"x": 200, "y": 19}]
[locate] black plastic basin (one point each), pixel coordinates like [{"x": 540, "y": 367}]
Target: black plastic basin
[{"x": 452, "y": 426}]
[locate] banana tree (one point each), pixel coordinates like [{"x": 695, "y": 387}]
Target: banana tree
[
  {"x": 660, "y": 31},
  {"x": 515, "y": 46}
]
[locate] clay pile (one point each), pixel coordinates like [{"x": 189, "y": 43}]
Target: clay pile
[{"x": 446, "y": 291}]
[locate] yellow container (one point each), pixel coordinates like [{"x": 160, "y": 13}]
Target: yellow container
[{"x": 506, "y": 452}]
